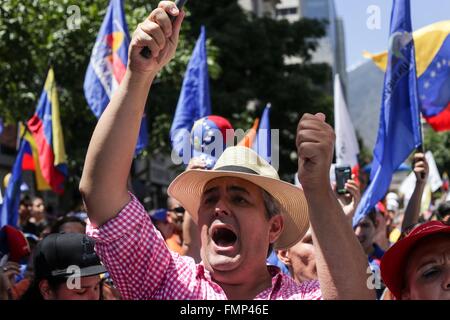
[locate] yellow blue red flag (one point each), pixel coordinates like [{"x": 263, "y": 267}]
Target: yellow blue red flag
[
  {"x": 432, "y": 45},
  {"x": 45, "y": 127}
]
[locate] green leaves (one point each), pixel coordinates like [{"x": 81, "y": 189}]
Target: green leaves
[
  {"x": 439, "y": 144},
  {"x": 246, "y": 59}
]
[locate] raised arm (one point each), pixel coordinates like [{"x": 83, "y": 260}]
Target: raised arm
[
  {"x": 108, "y": 161},
  {"x": 341, "y": 262},
  {"x": 412, "y": 211}
]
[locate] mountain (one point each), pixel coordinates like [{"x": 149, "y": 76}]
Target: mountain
[{"x": 365, "y": 85}]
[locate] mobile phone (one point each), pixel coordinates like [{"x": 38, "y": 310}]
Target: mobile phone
[
  {"x": 145, "y": 52},
  {"x": 343, "y": 174}
]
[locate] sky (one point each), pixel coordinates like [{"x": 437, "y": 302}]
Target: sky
[{"x": 358, "y": 37}]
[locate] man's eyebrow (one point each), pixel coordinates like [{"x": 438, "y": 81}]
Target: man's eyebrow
[
  {"x": 87, "y": 287},
  {"x": 237, "y": 189},
  {"x": 432, "y": 259},
  {"x": 426, "y": 262},
  {"x": 210, "y": 190}
]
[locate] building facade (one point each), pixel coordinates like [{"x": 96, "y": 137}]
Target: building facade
[
  {"x": 260, "y": 7},
  {"x": 331, "y": 48}
]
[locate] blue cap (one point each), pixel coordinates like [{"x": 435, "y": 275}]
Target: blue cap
[
  {"x": 159, "y": 214},
  {"x": 204, "y": 133}
]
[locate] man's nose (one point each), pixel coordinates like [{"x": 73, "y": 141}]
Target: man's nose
[
  {"x": 221, "y": 208},
  {"x": 446, "y": 280}
]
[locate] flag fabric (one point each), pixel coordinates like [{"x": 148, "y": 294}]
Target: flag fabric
[
  {"x": 31, "y": 158},
  {"x": 194, "y": 101},
  {"x": 262, "y": 144},
  {"x": 108, "y": 65},
  {"x": 9, "y": 211},
  {"x": 45, "y": 127},
  {"x": 250, "y": 137},
  {"x": 434, "y": 178},
  {"x": 399, "y": 131},
  {"x": 347, "y": 148},
  {"x": 407, "y": 188},
  {"x": 432, "y": 45}
]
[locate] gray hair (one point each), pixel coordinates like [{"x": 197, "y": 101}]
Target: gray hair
[{"x": 273, "y": 207}]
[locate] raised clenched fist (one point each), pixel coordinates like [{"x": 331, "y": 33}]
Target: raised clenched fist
[
  {"x": 160, "y": 35},
  {"x": 315, "y": 147}
]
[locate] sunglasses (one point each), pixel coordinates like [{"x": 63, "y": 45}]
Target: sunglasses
[{"x": 178, "y": 210}]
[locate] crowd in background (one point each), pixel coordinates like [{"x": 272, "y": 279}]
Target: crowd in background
[{"x": 382, "y": 227}]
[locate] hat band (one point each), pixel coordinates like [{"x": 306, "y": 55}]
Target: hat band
[{"x": 237, "y": 169}]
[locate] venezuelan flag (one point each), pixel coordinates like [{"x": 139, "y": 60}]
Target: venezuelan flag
[
  {"x": 45, "y": 127},
  {"x": 433, "y": 72},
  {"x": 31, "y": 158}
]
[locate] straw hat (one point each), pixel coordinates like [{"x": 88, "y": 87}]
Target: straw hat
[{"x": 244, "y": 163}]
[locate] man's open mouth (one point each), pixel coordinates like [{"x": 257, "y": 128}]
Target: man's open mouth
[{"x": 223, "y": 236}]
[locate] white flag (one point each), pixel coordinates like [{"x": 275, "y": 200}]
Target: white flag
[
  {"x": 407, "y": 187},
  {"x": 434, "y": 181},
  {"x": 347, "y": 149},
  {"x": 434, "y": 178}
]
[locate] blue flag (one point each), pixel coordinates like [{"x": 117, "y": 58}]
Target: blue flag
[
  {"x": 9, "y": 213},
  {"x": 194, "y": 101},
  {"x": 399, "y": 132},
  {"x": 108, "y": 64},
  {"x": 262, "y": 144}
]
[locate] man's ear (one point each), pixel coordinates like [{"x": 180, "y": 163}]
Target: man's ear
[
  {"x": 283, "y": 255},
  {"x": 276, "y": 227},
  {"x": 46, "y": 292}
]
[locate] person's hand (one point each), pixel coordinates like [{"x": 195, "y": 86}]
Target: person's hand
[
  {"x": 350, "y": 201},
  {"x": 315, "y": 145},
  {"x": 196, "y": 163},
  {"x": 421, "y": 169},
  {"x": 158, "y": 34},
  {"x": 8, "y": 272}
]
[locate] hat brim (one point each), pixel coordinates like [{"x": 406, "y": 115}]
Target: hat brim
[
  {"x": 188, "y": 187},
  {"x": 394, "y": 260},
  {"x": 84, "y": 272},
  {"x": 93, "y": 270}
]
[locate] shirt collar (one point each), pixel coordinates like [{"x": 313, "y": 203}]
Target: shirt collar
[{"x": 269, "y": 293}]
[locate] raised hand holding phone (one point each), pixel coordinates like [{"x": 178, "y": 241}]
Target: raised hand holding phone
[{"x": 343, "y": 174}]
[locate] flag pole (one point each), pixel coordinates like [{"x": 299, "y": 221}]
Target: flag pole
[{"x": 421, "y": 148}]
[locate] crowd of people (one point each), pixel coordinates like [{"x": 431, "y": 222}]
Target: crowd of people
[{"x": 236, "y": 231}]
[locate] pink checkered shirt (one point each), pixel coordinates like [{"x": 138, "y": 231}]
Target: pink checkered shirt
[{"x": 142, "y": 266}]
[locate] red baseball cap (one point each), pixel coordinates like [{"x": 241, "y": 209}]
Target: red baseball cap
[
  {"x": 393, "y": 263},
  {"x": 18, "y": 247}
]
